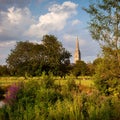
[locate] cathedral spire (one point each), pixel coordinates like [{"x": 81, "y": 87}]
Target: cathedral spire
[
  {"x": 77, "y": 55},
  {"x": 77, "y": 44}
]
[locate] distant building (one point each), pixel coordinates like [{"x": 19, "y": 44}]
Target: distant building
[{"x": 77, "y": 54}]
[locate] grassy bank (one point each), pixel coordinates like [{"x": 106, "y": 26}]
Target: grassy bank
[{"x": 50, "y": 98}]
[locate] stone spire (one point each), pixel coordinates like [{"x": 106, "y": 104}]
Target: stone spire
[{"x": 77, "y": 55}]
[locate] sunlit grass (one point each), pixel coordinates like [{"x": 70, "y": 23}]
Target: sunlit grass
[
  {"x": 5, "y": 81},
  {"x": 84, "y": 80}
]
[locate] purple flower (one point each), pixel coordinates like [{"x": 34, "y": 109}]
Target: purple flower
[{"x": 11, "y": 93}]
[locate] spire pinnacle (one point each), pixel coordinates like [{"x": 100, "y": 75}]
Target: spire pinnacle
[{"x": 77, "y": 43}]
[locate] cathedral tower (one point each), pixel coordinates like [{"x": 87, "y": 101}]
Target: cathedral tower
[{"x": 77, "y": 55}]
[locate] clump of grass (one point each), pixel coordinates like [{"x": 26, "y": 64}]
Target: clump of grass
[{"x": 71, "y": 85}]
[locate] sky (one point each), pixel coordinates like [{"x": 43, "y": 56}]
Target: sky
[{"x": 22, "y": 20}]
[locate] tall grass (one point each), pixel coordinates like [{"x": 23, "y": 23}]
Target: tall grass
[
  {"x": 84, "y": 80},
  {"x": 43, "y": 99}
]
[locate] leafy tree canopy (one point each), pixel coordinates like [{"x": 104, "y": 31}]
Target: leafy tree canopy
[
  {"x": 32, "y": 58},
  {"x": 104, "y": 27},
  {"x": 80, "y": 68}
]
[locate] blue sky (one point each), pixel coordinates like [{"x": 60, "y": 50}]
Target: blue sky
[{"x": 22, "y": 20}]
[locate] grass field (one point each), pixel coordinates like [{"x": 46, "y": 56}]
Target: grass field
[{"x": 83, "y": 80}]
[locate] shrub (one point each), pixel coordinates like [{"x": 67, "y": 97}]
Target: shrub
[
  {"x": 2, "y": 92},
  {"x": 71, "y": 85},
  {"x": 47, "y": 81}
]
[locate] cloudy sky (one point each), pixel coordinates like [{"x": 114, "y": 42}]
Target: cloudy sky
[{"x": 22, "y": 20}]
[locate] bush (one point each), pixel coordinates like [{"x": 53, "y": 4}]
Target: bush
[
  {"x": 47, "y": 81},
  {"x": 2, "y": 92},
  {"x": 107, "y": 77},
  {"x": 71, "y": 85}
]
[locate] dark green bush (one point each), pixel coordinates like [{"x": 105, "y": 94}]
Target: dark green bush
[
  {"x": 2, "y": 92},
  {"x": 71, "y": 85}
]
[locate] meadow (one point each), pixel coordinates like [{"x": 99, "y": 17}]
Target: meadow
[
  {"x": 84, "y": 80},
  {"x": 53, "y": 98}
]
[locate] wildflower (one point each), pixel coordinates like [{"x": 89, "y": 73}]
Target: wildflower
[{"x": 11, "y": 94}]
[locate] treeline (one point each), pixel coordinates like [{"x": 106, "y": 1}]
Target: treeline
[
  {"x": 80, "y": 68},
  {"x": 4, "y": 71},
  {"x": 32, "y": 59}
]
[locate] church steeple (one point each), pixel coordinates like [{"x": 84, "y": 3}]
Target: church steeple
[
  {"x": 77, "y": 44},
  {"x": 77, "y": 55}
]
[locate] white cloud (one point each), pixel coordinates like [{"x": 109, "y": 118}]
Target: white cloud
[
  {"x": 67, "y": 7},
  {"x": 76, "y": 22},
  {"x": 19, "y": 24},
  {"x": 53, "y": 21},
  {"x": 0, "y": 30},
  {"x": 14, "y": 16},
  {"x": 14, "y": 22},
  {"x": 7, "y": 44}
]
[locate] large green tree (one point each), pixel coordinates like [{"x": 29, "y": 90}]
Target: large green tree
[
  {"x": 55, "y": 55},
  {"x": 64, "y": 67},
  {"x": 104, "y": 27},
  {"x": 32, "y": 58},
  {"x": 25, "y": 58},
  {"x": 52, "y": 49}
]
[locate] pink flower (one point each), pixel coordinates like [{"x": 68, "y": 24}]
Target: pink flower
[{"x": 11, "y": 93}]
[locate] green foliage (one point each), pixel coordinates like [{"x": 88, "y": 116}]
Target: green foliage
[
  {"x": 25, "y": 58},
  {"x": 35, "y": 101},
  {"x": 4, "y": 71},
  {"x": 32, "y": 59},
  {"x": 104, "y": 27},
  {"x": 104, "y": 22},
  {"x": 55, "y": 55},
  {"x": 90, "y": 69},
  {"x": 107, "y": 80},
  {"x": 80, "y": 68},
  {"x": 47, "y": 81},
  {"x": 2, "y": 92},
  {"x": 71, "y": 85},
  {"x": 31, "y": 96}
]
